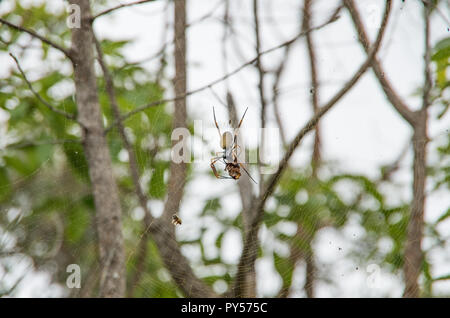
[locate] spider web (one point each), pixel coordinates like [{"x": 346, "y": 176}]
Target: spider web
[{"x": 211, "y": 209}]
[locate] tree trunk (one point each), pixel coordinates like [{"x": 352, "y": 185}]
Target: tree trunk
[
  {"x": 316, "y": 155},
  {"x": 246, "y": 194},
  {"x": 413, "y": 258},
  {"x": 177, "y": 177},
  {"x": 104, "y": 188},
  {"x": 413, "y": 247}
]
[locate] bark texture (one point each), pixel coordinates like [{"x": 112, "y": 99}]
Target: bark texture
[
  {"x": 104, "y": 188},
  {"x": 413, "y": 248},
  {"x": 177, "y": 177}
]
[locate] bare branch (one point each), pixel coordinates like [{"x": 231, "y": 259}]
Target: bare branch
[
  {"x": 275, "y": 94},
  {"x": 221, "y": 79},
  {"x": 39, "y": 97},
  {"x": 389, "y": 170},
  {"x": 120, "y": 6},
  {"x": 37, "y": 36},
  {"x": 249, "y": 252},
  {"x": 261, "y": 92},
  {"x": 26, "y": 144},
  {"x": 314, "y": 90},
  {"x": 386, "y": 85},
  {"x": 160, "y": 53}
]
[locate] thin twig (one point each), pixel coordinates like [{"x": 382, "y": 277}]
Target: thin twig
[
  {"x": 237, "y": 70},
  {"x": 40, "y": 37},
  {"x": 314, "y": 90},
  {"x": 275, "y": 92},
  {"x": 42, "y": 100},
  {"x": 261, "y": 89},
  {"x": 167, "y": 44},
  {"x": 26, "y": 144},
  {"x": 120, "y": 6}
]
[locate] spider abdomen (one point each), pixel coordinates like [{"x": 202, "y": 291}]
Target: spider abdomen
[
  {"x": 227, "y": 140},
  {"x": 233, "y": 170}
]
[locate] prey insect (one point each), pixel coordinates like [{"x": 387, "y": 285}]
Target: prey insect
[
  {"x": 229, "y": 156},
  {"x": 176, "y": 220}
]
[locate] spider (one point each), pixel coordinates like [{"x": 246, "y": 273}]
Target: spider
[{"x": 228, "y": 142}]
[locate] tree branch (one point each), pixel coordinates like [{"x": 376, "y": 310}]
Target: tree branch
[
  {"x": 275, "y": 87},
  {"x": 120, "y": 6},
  {"x": 386, "y": 85},
  {"x": 246, "y": 193},
  {"x": 39, "y": 97},
  {"x": 307, "y": 235},
  {"x": 40, "y": 37},
  {"x": 164, "y": 234},
  {"x": 133, "y": 167},
  {"x": 249, "y": 252},
  {"x": 221, "y": 79},
  {"x": 261, "y": 93},
  {"x": 315, "y": 160},
  {"x": 26, "y": 144}
]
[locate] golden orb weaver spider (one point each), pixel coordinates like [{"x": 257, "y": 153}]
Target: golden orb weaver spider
[{"x": 228, "y": 142}]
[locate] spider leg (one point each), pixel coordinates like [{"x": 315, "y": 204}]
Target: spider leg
[
  {"x": 213, "y": 168},
  {"x": 236, "y": 131},
  {"x": 235, "y": 153},
  {"x": 215, "y": 122},
  {"x": 240, "y": 123},
  {"x": 242, "y": 166}
]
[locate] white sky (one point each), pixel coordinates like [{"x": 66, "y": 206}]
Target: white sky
[{"x": 361, "y": 133}]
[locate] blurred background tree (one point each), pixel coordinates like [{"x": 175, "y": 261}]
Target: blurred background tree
[{"x": 48, "y": 211}]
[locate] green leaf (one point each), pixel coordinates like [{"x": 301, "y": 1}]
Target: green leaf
[
  {"x": 284, "y": 268},
  {"x": 157, "y": 186},
  {"x": 211, "y": 206},
  {"x": 75, "y": 155},
  {"x": 443, "y": 216},
  {"x": 219, "y": 240},
  {"x": 5, "y": 185},
  {"x": 441, "y": 50}
]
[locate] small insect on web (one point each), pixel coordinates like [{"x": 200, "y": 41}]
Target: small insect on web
[
  {"x": 176, "y": 220},
  {"x": 228, "y": 142}
]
